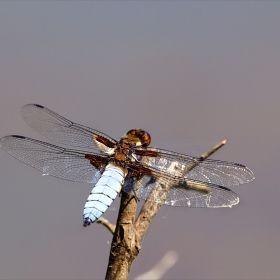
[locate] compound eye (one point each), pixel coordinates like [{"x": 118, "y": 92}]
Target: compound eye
[
  {"x": 131, "y": 132},
  {"x": 146, "y": 138}
]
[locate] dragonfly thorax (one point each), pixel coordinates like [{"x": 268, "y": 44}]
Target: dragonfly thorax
[{"x": 123, "y": 151}]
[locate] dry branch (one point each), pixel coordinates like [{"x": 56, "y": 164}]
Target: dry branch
[
  {"x": 128, "y": 232},
  {"x": 107, "y": 224}
]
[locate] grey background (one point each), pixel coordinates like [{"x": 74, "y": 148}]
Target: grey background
[{"x": 191, "y": 73}]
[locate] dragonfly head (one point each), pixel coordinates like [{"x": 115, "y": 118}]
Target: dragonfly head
[{"x": 139, "y": 137}]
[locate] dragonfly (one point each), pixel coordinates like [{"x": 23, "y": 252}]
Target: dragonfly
[{"x": 129, "y": 165}]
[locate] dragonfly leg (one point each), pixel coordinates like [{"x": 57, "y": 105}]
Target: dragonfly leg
[{"x": 135, "y": 195}]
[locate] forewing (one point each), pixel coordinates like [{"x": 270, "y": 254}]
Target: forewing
[
  {"x": 61, "y": 130},
  {"x": 53, "y": 160},
  {"x": 210, "y": 171}
]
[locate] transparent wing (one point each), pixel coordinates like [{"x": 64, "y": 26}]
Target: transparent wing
[
  {"x": 52, "y": 160},
  {"x": 59, "y": 129},
  {"x": 175, "y": 192},
  {"x": 208, "y": 171}
]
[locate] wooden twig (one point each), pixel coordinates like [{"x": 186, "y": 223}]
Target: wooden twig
[
  {"x": 205, "y": 155},
  {"x": 128, "y": 233},
  {"x": 214, "y": 149},
  {"x": 125, "y": 245},
  {"x": 107, "y": 224}
]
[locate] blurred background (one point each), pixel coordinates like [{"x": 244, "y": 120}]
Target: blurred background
[{"x": 191, "y": 73}]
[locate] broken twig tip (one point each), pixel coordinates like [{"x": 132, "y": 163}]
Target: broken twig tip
[{"x": 107, "y": 224}]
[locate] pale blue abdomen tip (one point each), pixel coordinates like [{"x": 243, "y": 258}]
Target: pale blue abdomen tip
[{"x": 87, "y": 222}]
